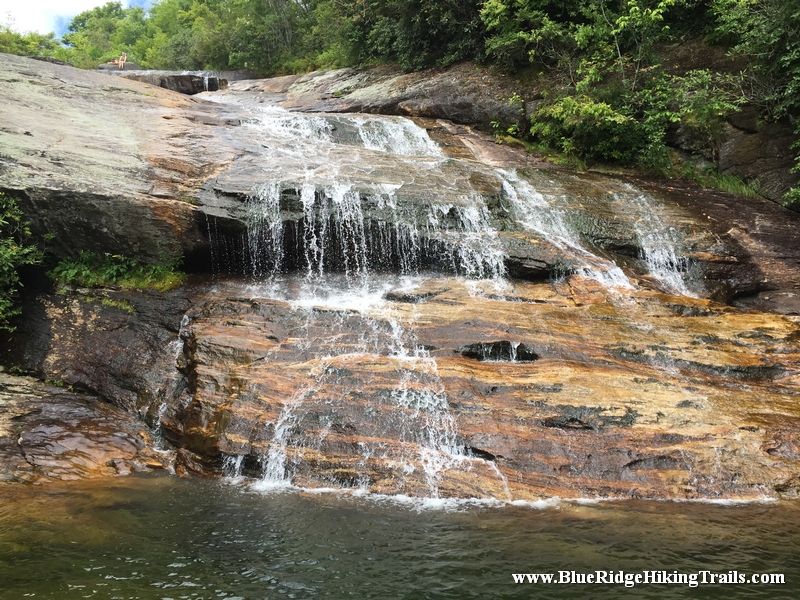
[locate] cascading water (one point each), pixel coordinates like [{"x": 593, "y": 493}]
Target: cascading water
[
  {"x": 414, "y": 406},
  {"x": 318, "y": 194},
  {"x": 399, "y": 136},
  {"x": 393, "y": 135},
  {"x": 537, "y": 214},
  {"x": 265, "y": 233},
  {"x": 342, "y": 208},
  {"x": 659, "y": 242},
  {"x": 545, "y": 213}
]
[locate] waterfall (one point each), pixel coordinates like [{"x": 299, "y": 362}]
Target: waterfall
[
  {"x": 545, "y": 214},
  {"x": 332, "y": 234},
  {"x": 275, "y": 472},
  {"x": 392, "y": 135},
  {"x": 265, "y": 231},
  {"x": 535, "y": 213},
  {"x": 428, "y": 422},
  {"x": 658, "y": 241},
  {"x": 327, "y": 173},
  {"x": 396, "y": 136},
  {"x": 416, "y": 405},
  {"x": 347, "y": 205},
  {"x": 411, "y": 408}
]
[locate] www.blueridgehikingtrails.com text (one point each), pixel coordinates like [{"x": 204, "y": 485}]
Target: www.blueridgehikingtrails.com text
[{"x": 651, "y": 578}]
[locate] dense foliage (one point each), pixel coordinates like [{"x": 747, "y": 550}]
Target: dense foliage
[
  {"x": 610, "y": 96},
  {"x": 15, "y": 251},
  {"x": 767, "y": 33},
  {"x": 93, "y": 270}
]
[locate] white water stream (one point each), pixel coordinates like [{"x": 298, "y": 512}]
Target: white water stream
[
  {"x": 360, "y": 195},
  {"x": 538, "y": 214}
]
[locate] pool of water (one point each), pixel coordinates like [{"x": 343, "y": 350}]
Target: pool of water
[{"x": 166, "y": 537}]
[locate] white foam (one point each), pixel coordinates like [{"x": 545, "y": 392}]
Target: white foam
[{"x": 726, "y": 501}]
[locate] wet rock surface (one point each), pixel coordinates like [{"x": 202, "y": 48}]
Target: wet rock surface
[
  {"x": 111, "y": 165},
  {"x": 471, "y": 95},
  {"x": 104, "y": 163},
  {"x": 498, "y": 329},
  {"x": 466, "y": 94},
  {"x": 49, "y": 433},
  {"x": 645, "y": 395},
  {"x": 758, "y": 233}
]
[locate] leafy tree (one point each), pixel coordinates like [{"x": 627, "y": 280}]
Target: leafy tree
[
  {"x": 102, "y": 34},
  {"x": 613, "y": 100},
  {"x": 28, "y": 44},
  {"x": 415, "y": 33},
  {"x": 523, "y": 31},
  {"x": 15, "y": 251}
]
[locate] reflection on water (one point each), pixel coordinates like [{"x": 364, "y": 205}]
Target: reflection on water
[{"x": 162, "y": 537}]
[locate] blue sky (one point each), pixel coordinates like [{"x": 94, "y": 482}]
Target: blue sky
[{"x": 44, "y": 16}]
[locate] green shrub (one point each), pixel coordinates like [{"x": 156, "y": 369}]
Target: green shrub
[
  {"x": 15, "y": 251},
  {"x": 578, "y": 125},
  {"x": 710, "y": 178},
  {"x": 93, "y": 270},
  {"x": 610, "y": 123},
  {"x": 792, "y": 199}
]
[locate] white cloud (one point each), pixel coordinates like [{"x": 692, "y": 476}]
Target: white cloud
[{"x": 44, "y": 16}]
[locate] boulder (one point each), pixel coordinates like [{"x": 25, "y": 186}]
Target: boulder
[
  {"x": 51, "y": 433},
  {"x": 183, "y": 83},
  {"x": 761, "y": 151}
]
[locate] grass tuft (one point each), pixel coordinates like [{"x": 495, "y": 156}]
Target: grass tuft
[
  {"x": 114, "y": 270},
  {"x": 711, "y": 179}
]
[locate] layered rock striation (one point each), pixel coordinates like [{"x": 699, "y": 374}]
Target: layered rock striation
[
  {"x": 547, "y": 389},
  {"x": 397, "y": 306}
]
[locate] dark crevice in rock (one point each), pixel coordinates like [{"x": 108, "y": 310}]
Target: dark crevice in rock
[
  {"x": 588, "y": 417},
  {"x": 498, "y": 351},
  {"x": 566, "y": 422},
  {"x": 252, "y": 465},
  {"x": 184, "y": 83},
  {"x": 483, "y": 454},
  {"x": 554, "y": 388},
  {"x": 650, "y": 463},
  {"x": 688, "y": 404},
  {"x": 767, "y": 371},
  {"x": 381, "y": 248}
]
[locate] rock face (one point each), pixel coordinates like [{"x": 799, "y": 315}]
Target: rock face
[
  {"x": 422, "y": 311},
  {"x": 549, "y": 389},
  {"x": 465, "y": 94},
  {"x": 104, "y": 164},
  {"x": 760, "y": 151},
  {"x": 184, "y": 82},
  {"x": 129, "y": 66},
  {"x": 472, "y": 95},
  {"x": 48, "y": 433},
  {"x": 117, "y": 166},
  {"x": 599, "y": 412}
]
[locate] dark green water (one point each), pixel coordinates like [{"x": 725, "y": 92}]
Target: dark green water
[{"x": 164, "y": 537}]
